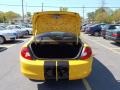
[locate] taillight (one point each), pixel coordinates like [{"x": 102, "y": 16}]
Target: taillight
[
  {"x": 86, "y": 53},
  {"x": 115, "y": 35},
  {"x": 25, "y": 53}
]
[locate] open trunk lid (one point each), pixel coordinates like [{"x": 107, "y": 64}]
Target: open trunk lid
[{"x": 61, "y": 21}]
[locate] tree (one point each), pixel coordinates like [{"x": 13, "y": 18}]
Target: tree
[
  {"x": 11, "y": 15},
  {"x": 2, "y": 17},
  {"x": 63, "y": 9},
  {"x": 91, "y": 16},
  {"x": 101, "y": 15},
  {"x": 116, "y": 15},
  {"x": 29, "y": 14}
]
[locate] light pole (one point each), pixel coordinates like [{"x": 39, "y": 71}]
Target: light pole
[
  {"x": 22, "y": 11},
  {"x": 42, "y": 7},
  {"x": 83, "y": 14}
]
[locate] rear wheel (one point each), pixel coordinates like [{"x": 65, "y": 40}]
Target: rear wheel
[
  {"x": 104, "y": 37},
  {"x": 118, "y": 42},
  {"x": 2, "y": 39},
  {"x": 96, "y": 33},
  {"x": 27, "y": 33}
]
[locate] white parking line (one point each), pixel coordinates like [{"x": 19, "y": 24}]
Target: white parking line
[
  {"x": 10, "y": 46},
  {"x": 7, "y": 46},
  {"x": 106, "y": 47},
  {"x": 102, "y": 45},
  {"x": 115, "y": 48},
  {"x": 86, "y": 84}
]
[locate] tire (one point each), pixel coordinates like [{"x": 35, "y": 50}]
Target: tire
[
  {"x": 117, "y": 42},
  {"x": 104, "y": 37},
  {"x": 96, "y": 34},
  {"x": 27, "y": 32},
  {"x": 2, "y": 39}
]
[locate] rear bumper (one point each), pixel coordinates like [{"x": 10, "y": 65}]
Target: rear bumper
[
  {"x": 77, "y": 69},
  {"x": 10, "y": 37}
]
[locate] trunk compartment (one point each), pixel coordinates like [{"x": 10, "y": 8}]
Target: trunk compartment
[{"x": 55, "y": 50}]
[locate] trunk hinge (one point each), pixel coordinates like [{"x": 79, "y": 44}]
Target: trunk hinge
[
  {"x": 56, "y": 71},
  {"x": 77, "y": 39},
  {"x": 77, "y": 35},
  {"x": 34, "y": 36}
]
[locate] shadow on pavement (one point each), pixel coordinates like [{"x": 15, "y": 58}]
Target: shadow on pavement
[
  {"x": 14, "y": 42},
  {"x": 2, "y": 49},
  {"x": 117, "y": 44},
  {"x": 101, "y": 78},
  {"x": 62, "y": 85},
  {"x": 25, "y": 37}
]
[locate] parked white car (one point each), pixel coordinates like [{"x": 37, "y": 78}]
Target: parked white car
[
  {"x": 7, "y": 35},
  {"x": 28, "y": 30},
  {"x": 21, "y": 32}
]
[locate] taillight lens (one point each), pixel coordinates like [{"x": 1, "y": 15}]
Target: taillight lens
[
  {"x": 86, "y": 53},
  {"x": 25, "y": 53},
  {"x": 115, "y": 35}
]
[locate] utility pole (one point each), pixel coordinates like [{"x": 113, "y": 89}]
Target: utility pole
[
  {"x": 83, "y": 14},
  {"x": 42, "y": 7},
  {"x": 103, "y": 9},
  {"x": 103, "y": 3},
  {"x": 26, "y": 8},
  {"x": 22, "y": 11}
]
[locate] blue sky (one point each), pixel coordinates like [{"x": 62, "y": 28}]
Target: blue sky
[{"x": 57, "y": 3}]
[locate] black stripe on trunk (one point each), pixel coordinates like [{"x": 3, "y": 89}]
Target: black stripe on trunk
[
  {"x": 63, "y": 70},
  {"x": 50, "y": 70}
]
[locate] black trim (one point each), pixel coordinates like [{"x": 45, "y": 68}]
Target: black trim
[
  {"x": 50, "y": 70},
  {"x": 63, "y": 70}
]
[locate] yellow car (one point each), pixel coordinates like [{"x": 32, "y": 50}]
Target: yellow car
[{"x": 55, "y": 51}]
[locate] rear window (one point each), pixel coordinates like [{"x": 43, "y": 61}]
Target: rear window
[
  {"x": 114, "y": 27},
  {"x": 1, "y": 28},
  {"x": 17, "y": 27}
]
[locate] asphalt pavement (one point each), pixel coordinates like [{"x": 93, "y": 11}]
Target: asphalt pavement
[
  {"x": 105, "y": 74},
  {"x": 106, "y": 66}
]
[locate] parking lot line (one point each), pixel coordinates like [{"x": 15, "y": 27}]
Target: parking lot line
[
  {"x": 7, "y": 46},
  {"x": 115, "y": 48},
  {"x": 10, "y": 46},
  {"x": 86, "y": 84},
  {"x": 102, "y": 45},
  {"x": 111, "y": 49}
]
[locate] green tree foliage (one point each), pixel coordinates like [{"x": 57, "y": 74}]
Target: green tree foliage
[
  {"x": 116, "y": 15},
  {"x": 101, "y": 15},
  {"x": 29, "y": 14},
  {"x": 11, "y": 15},
  {"x": 2, "y": 17},
  {"x": 91, "y": 16},
  {"x": 8, "y": 16},
  {"x": 63, "y": 9}
]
